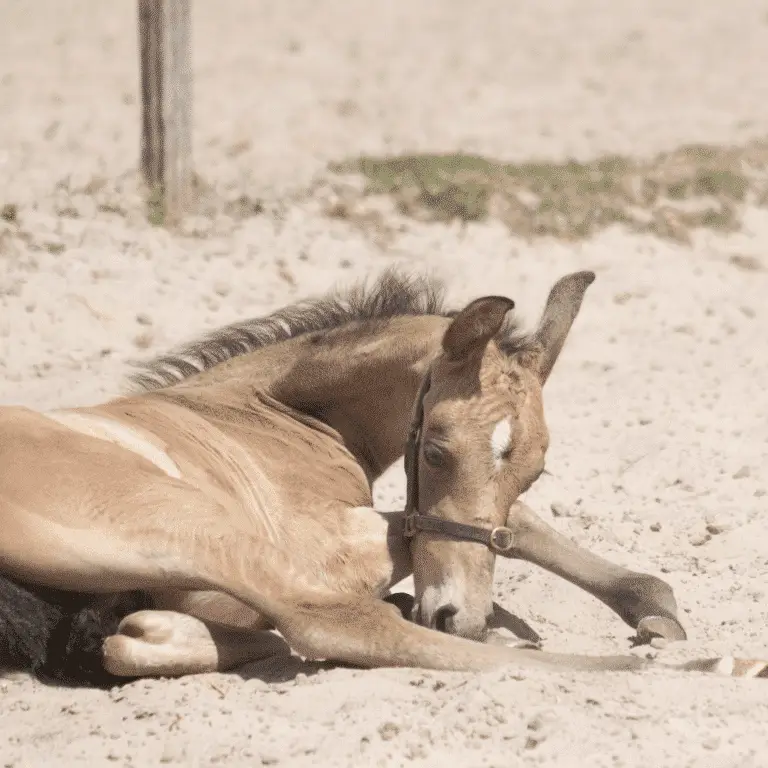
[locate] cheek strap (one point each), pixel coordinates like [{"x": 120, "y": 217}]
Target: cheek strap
[{"x": 499, "y": 540}]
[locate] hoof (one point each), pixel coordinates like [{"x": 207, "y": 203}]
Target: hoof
[
  {"x": 651, "y": 628},
  {"x": 119, "y": 652}
]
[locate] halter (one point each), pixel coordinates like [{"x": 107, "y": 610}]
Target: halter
[{"x": 499, "y": 540}]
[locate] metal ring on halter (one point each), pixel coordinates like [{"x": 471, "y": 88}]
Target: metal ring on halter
[{"x": 502, "y": 540}]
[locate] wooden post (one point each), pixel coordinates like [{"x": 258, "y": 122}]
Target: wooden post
[{"x": 165, "y": 47}]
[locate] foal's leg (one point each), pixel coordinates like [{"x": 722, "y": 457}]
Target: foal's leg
[
  {"x": 180, "y": 540},
  {"x": 643, "y": 601},
  {"x": 170, "y": 536},
  {"x": 167, "y": 644},
  {"x": 188, "y": 633},
  {"x": 169, "y": 641}
]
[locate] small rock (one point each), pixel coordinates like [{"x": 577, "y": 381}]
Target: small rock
[
  {"x": 388, "y": 731},
  {"x": 539, "y": 728},
  {"x": 647, "y": 652},
  {"x": 531, "y": 742},
  {"x": 659, "y": 643},
  {"x": 742, "y": 473},
  {"x": 712, "y": 742},
  {"x": 560, "y": 510},
  {"x": 747, "y": 262},
  {"x": 716, "y": 527},
  {"x": 699, "y": 539},
  {"x": 10, "y": 213},
  {"x": 760, "y": 492},
  {"x": 143, "y": 340},
  {"x": 143, "y": 319},
  {"x": 655, "y": 527}
]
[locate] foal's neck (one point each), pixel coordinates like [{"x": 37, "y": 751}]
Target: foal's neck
[
  {"x": 364, "y": 385},
  {"x": 360, "y": 381}
]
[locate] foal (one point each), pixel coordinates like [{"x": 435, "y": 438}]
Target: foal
[{"x": 233, "y": 495}]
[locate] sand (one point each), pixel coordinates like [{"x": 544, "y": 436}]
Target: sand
[{"x": 658, "y": 408}]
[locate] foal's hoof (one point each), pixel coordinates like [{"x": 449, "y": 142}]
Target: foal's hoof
[{"x": 652, "y": 627}]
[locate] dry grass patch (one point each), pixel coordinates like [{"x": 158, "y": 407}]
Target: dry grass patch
[{"x": 668, "y": 195}]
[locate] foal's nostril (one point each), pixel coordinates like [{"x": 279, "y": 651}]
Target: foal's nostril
[{"x": 443, "y": 619}]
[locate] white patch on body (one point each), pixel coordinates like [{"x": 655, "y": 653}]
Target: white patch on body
[
  {"x": 501, "y": 440},
  {"x": 118, "y": 433}
]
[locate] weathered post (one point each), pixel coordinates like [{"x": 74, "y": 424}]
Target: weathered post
[{"x": 165, "y": 49}]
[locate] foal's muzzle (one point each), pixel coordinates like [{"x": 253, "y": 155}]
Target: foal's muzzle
[{"x": 450, "y": 620}]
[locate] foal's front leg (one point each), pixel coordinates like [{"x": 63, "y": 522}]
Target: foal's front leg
[{"x": 643, "y": 601}]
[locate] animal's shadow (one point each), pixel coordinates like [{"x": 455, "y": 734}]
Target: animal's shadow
[{"x": 281, "y": 665}]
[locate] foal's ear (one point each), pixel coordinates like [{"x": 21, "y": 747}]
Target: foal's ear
[
  {"x": 475, "y": 326},
  {"x": 563, "y": 304}
]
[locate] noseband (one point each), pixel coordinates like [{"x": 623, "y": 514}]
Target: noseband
[{"x": 499, "y": 540}]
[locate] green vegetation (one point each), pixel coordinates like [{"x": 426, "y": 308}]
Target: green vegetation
[{"x": 668, "y": 195}]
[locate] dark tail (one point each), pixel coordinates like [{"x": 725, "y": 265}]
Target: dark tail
[{"x": 58, "y": 636}]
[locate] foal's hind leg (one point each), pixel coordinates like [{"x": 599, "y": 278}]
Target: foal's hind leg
[
  {"x": 167, "y": 644},
  {"x": 189, "y": 633}
]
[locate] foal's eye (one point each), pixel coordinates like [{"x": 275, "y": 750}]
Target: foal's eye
[{"x": 434, "y": 455}]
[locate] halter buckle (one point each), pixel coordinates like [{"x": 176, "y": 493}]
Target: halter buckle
[{"x": 501, "y": 540}]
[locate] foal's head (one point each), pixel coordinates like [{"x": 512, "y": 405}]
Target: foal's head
[{"x": 478, "y": 441}]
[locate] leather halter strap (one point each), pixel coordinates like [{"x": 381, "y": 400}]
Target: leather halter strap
[{"x": 500, "y": 540}]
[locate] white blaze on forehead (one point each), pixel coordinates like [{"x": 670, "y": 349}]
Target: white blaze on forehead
[{"x": 501, "y": 440}]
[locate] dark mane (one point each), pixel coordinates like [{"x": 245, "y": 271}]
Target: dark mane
[{"x": 393, "y": 294}]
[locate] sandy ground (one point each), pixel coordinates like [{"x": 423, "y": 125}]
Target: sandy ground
[{"x": 658, "y": 411}]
